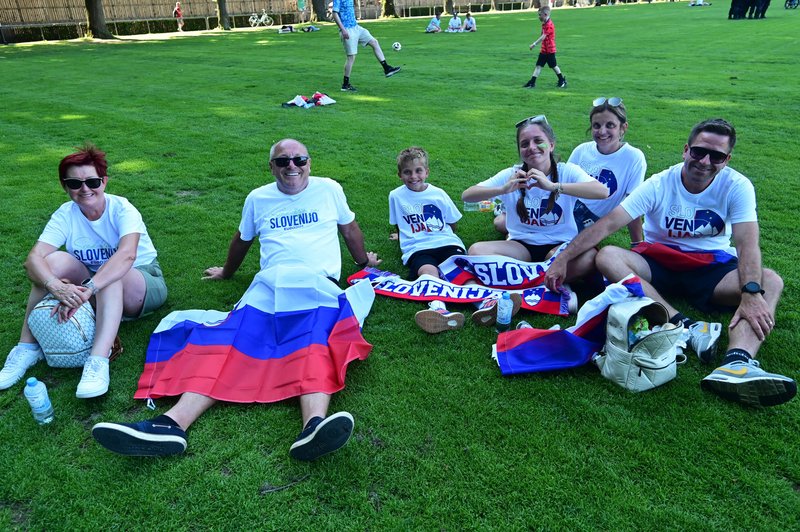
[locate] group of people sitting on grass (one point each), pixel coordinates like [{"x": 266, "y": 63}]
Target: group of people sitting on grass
[
  {"x": 454, "y": 25},
  {"x": 681, "y": 222}
]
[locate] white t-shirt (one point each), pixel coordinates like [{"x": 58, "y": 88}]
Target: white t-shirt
[
  {"x": 693, "y": 222},
  {"x": 423, "y": 219},
  {"x": 556, "y": 227},
  {"x": 469, "y": 23},
  {"x": 434, "y": 24},
  {"x": 454, "y": 24},
  {"x": 300, "y": 228},
  {"x": 621, "y": 172},
  {"x": 94, "y": 242}
]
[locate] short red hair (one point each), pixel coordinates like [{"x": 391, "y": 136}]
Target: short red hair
[{"x": 87, "y": 154}]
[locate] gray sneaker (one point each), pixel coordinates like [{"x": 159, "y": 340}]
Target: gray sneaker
[
  {"x": 17, "y": 363},
  {"x": 747, "y": 383},
  {"x": 702, "y": 338}
]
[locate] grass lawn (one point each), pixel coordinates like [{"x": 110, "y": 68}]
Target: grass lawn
[{"x": 442, "y": 441}]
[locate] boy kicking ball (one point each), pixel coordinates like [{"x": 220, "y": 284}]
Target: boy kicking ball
[{"x": 547, "y": 54}]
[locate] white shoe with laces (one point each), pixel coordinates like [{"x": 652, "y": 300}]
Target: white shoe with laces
[
  {"x": 17, "y": 363},
  {"x": 95, "y": 378}
]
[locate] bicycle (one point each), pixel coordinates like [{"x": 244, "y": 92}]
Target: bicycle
[{"x": 261, "y": 20}]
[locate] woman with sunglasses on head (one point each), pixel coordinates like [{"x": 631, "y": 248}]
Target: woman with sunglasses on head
[
  {"x": 108, "y": 259},
  {"x": 539, "y": 194},
  {"x": 612, "y": 161}
]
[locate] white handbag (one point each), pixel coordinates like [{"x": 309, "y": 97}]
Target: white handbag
[
  {"x": 65, "y": 345},
  {"x": 650, "y": 361}
]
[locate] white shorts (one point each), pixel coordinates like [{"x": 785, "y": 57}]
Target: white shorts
[{"x": 358, "y": 35}]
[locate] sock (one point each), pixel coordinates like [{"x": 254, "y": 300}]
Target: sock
[
  {"x": 346, "y": 80},
  {"x": 30, "y": 347},
  {"x": 385, "y": 65},
  {"x": 533, "y": 80},
  {"x": 680, "y": 319},
  {"x": 560, "y": 77},
  {"x": 734, "y": 355},
  {"x": 166, "y": 420}
]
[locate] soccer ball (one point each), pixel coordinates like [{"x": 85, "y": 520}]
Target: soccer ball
[{"x": 397, "y": 46}]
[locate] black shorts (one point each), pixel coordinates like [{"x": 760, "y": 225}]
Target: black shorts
[
  {"x": 548, "y": 59},
  {"x": 696, "y": 286},
  {"x": 538, "y": 253},
  {"x": 434, "y": 256}
]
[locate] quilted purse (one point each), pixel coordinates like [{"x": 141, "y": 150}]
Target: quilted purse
[{"x": 65, "y": 345}]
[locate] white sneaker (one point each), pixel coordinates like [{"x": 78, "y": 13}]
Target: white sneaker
[
  {"x": 17, "y": 363},
  {"x": 95, "y": 379}
]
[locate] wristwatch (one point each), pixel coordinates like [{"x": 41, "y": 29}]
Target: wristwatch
[
  {"x": 752, "y": 288},
  {"x": 89, "y": 283}
]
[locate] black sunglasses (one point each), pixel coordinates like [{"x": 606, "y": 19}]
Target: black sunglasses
[
  {"x": 614, "y": 101},
  {"x": 538, "y": 119},
  {"x": 76, "y": 184},
  {"x": 716, "y": 157},
  {"x": 283, "y": 162}
]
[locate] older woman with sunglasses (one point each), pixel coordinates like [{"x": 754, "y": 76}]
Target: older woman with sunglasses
[
  {"x": 108, "y": 258},
  {"x": 540, "y": 195},
  {"x": 612, "y": 161}
]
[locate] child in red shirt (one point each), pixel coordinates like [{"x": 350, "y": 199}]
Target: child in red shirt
[{"x": 547, "y": 54}]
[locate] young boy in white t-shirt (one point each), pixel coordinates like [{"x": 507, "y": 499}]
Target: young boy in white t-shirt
[{"x": 426, "y": 218}]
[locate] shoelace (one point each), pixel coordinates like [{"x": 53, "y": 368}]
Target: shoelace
[
  {"x": 15, "y": 359},
  {"x": 92, "y": 367}
]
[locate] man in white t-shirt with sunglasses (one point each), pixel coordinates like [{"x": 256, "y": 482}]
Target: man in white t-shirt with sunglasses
[{"x": 691, "y": 211}]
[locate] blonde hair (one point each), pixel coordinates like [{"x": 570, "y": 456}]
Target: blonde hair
[{"x": 410, "y": 154}]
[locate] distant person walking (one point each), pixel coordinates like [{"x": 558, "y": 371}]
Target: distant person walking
[
  {"x": 547, "y": 54},
  {"x": 178, "y": 14}
]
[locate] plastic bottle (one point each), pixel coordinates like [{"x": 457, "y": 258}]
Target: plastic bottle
[
  {"x": 471, "y": 206},
  {"x": 504, "y": 309},
  {"x": 41, "y": 407}
]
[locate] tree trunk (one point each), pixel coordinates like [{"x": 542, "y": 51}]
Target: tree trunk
[
  {"x": 319, "y": 9},
  {"x": 388, "y": 9},
  {"x": 97, "y": 19},
  {"x": 223, "y": 21},
  {"x": 448, "y": 6}
]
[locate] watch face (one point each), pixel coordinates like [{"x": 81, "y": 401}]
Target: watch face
[{"x": 752, "y": 288}]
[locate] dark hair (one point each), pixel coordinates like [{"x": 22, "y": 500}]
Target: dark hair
[
  {"x": 522, "y": 212},
  {"x": 410, "y": 154},
  {"x": 719, "y": 126},
  {"x": 86, "y": 154}
]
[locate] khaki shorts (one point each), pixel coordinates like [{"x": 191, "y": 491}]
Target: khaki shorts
[
  {"x": 155, "y": 289},
  {"x": 358, "y": 35}
]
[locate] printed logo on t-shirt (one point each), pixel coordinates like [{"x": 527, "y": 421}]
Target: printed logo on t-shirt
[
  {"x": 293, "y": 220},
  {"x": 538, "y": 216},
  {"x": 92, "y": 253},
  {"x": 423, "y": 218},
  {"x": 686, "y": 222}
]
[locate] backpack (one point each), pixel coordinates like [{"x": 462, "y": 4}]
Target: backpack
[
  {"x": 65, "y": 345},
  {"x": 645, "y": 363}
]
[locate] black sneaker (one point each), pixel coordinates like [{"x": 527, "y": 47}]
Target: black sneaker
[
  {"x": 146, "y": 438},
  {"x": 562, "y": 83},
  {"x": 529, "y": 85},
  {"x": 392, "y": 71},
  {"x": 346, "y": 87},
  {"x": 322, "y": 436}
]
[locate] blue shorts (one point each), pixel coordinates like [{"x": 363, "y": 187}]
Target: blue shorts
[
  {"x": 696, "y": 286},
  {"x": 434, "y": 256},
  {"x": 538, "y": 253}
]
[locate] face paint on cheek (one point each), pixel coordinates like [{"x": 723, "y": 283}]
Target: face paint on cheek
[{"x": 543, "y": 146}]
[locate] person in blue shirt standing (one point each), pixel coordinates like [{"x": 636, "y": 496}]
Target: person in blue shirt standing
[{"x": 352, "y": 35}]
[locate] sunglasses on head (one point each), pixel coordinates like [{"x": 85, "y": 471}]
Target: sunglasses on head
[
  {"x": 612, "y": 102},
  {"x": 75, "y": 183},
  {"x": 716, "y": 157},
  {"x": 283, "y": 162},
  {"x": 538, "y": 119}
]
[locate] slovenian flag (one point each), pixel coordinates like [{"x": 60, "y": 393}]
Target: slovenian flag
[
  {"x": 678, "y": 260},
  {"x": 292, "y": 333},
  {"x": 533, "y": 350}
]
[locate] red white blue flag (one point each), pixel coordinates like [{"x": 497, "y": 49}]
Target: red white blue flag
[
  {"x": 533, "y": 350},
  {"x": 677, "y": 260},
  {"x": 496, "y": 271},
  {"x": 291, "y": 334}
]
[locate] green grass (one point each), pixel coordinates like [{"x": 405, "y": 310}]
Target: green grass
[{"x": 442, "y": 441}]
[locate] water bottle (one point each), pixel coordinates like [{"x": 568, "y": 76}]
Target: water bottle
[
  {"x": 472, "y": 206},
  {"x": 504, "y": 309},
  {"x": 41, "y": 407}
]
